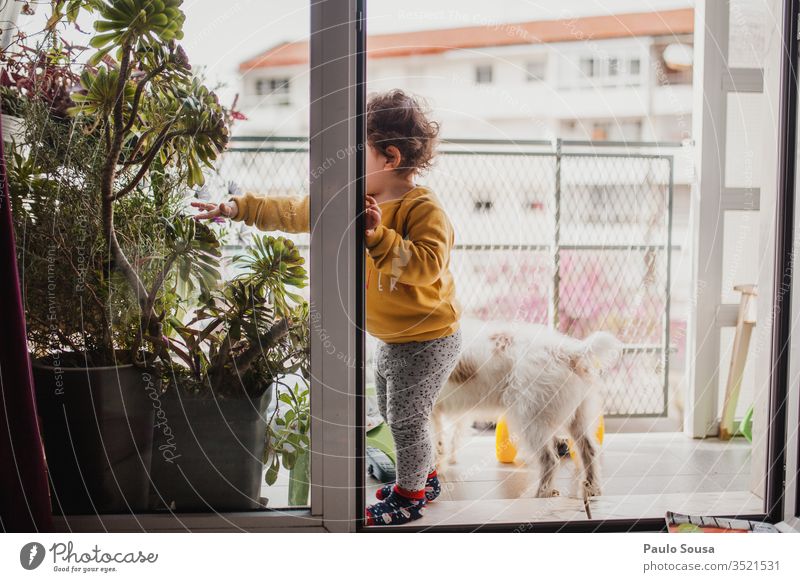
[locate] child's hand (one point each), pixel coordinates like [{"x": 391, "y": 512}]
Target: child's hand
[
  {"x": 372, "y": 216},
  {"x": 214, "y": 211}
]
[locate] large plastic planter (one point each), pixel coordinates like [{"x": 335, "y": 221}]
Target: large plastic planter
[
  {"x": 208, "y": 453},
  {"x": 97, "y": 425}
]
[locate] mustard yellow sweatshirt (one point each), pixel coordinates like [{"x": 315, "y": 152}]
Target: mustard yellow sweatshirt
[{"x": 410, "y": 291}]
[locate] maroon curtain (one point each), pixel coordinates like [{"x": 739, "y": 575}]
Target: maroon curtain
[{"x": 24, "y": 496}]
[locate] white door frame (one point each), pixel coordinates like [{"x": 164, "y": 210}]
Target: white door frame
[
  {"x": 791, "y": 509},
  {"x": 783, "y": 480},
  {"x": 336, "y": 259}
]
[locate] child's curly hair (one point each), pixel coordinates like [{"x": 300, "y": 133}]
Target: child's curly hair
[{"x": 397, "y": 119}]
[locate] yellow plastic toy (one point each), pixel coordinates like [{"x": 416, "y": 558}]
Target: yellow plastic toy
[
  {"x": 504, "y": 448},
  {"x": 506, "y": 452}
]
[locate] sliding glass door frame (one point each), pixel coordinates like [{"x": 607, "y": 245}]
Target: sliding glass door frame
[
  {"x": 337, "y": 261},
  {"x": 782, "y": 497},
  {"x": 783, "y": 493},
  {"x": 336, "y": 149},
  {"x": 336, "y": 298}
]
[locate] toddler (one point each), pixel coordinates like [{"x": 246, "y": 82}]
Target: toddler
[{"x": 410, "y": 297}]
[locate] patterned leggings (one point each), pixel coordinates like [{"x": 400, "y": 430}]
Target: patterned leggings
[{"x": 409, "y": 377}]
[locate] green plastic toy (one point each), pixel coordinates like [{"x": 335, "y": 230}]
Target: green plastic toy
[
  {"x": 380, "y": 436},
  {"x": 746, "y": 425}
]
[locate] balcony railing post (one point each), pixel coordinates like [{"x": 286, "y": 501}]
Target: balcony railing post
[
  {"x": 666, "y": 352},
  {"x": 556, "y": 240}
]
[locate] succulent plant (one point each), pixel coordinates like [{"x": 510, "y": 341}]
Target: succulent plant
[
  {"x": 144, "y": 22},
  {"x": 247, "y": 334},
  {"x": 153, "y": 117}
]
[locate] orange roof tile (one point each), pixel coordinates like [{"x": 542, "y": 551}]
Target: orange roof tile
[{"x": 428, "y": 42}]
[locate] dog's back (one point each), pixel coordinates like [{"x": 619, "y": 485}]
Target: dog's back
[
  {"x": 496, "y": 353},
  {"x": 472, "y": 385}
]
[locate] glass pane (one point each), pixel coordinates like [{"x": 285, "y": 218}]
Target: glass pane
[
  {"x": 568, "y": 238},
  {"x": 180, "y": 364},
  {"x": 268, "y": 156}
]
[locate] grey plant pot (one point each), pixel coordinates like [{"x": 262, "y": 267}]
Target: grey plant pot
[
  {"x": 97, "y": 429},
  {"x": 208, "y": 453}
]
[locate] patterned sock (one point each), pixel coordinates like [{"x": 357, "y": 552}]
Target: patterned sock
[
  {"x": 432, "y": 488},
  {"x": 399, "y": 507}
]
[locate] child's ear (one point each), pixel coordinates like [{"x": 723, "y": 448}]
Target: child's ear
[{"x": 393, "y": 158}]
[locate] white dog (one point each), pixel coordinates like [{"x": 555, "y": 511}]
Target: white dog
[{"x": 540, "y": 380}]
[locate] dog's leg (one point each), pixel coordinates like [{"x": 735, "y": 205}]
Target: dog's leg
[
  {"x": 548, "y": 464},
  {"x": 438, "y": 435},
  {"x": 541, "y": 445},
  {"x": 457, "y": 430},
  {"x": 539, "y": 448},
  {"x": 587, "y": 449}
]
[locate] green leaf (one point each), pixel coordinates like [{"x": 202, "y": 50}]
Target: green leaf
[
  {"x": 101, "y": 40},
  {"x": 97, "y": 57},
  {"x": 288, "y": 460},
  {"x": 272, "y": 473}
]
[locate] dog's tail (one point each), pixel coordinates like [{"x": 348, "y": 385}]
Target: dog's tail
[{"x": 601, "y": 351}]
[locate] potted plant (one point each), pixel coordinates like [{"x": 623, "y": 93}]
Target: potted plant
[
  {"x": 41, "y": 74},
  {"x": 10, "y": 105},
  {"x": 241, "y": 341},
  {"x": 96, "y": 196}
]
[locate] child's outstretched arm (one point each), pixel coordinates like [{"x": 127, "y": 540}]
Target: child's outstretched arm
[
  {"x": 420, "y": 257},
  {"x": 284, "y": 213}
]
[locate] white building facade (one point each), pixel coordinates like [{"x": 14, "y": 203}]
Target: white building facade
[{"x": 626, "y": 77}]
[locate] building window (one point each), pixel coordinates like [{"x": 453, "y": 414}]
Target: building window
[
  {"x": 613, "y": 67},
  {"x": 535, "y": 70},
  {"x": 616, "y": 130},
  {"x": 483, "y": 74},
  {"x": 277, "y": 88},
  {"x": 588, "y": 68},
  {"x": 634, "y": 66},
  {"x": 483, "y": 205},
  {"x": 275, "y": 91},
  {"x": 600, "y": 130}
]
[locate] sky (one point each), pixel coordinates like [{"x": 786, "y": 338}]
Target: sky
[{"x": 220, "y": 34}]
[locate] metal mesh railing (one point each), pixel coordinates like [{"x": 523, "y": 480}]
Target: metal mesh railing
[{"x": 566, "y": 234}]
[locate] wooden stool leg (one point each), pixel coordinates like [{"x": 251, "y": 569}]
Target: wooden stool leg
[{"x": 741, "y": 343}]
